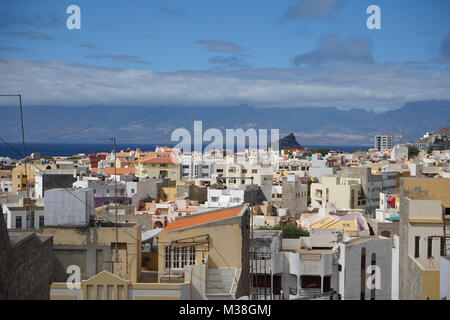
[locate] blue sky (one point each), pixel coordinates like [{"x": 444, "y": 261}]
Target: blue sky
[{"x": 206, "y": 52}]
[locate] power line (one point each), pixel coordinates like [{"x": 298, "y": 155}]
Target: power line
[{"x": 89, "y": 206}]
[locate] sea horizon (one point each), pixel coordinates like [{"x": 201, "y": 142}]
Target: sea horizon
[{"x": 14, "y": 150}]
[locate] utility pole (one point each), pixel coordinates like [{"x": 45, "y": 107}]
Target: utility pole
[
  {"x": 27, "y": 204},
  {"x": 115, "y": 197}
]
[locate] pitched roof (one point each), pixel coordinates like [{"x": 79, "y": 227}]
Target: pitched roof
[{"x": 203, "y": 218}]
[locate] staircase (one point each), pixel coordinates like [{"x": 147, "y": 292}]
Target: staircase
[
  {"x": 446, "y": 218},
  {"x": 220, "y": 282}
]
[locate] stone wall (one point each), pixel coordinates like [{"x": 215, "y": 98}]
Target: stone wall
[{"x": 26, "y": 265}]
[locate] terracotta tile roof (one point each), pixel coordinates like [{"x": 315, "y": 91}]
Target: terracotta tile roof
[
  {"x": 167, "y": 160},
  {"x": 203, "y": 218},
  {"x": 120, "y": 171}
]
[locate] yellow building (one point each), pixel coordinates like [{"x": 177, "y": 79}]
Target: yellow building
[
  {"x": 424, "y": 228},
  {"x": 210, "y": 249},
  {"x": 20, "y": 178},
  {"x": 345, "y": 193},
  {"x": 159, "y": 167},
  {"x": 205, "y": 256}
]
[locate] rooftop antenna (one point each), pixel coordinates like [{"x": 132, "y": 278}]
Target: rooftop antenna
[
  {"x": 24, "y": 156},
  {"x": 167, "y": 136}
]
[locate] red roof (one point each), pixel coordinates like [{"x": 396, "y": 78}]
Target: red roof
[{"x": 203, "y": 218}]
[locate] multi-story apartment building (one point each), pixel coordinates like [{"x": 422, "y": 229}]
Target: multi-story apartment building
[
  {"x": 372, "y": 182},
  {"x": 196, "y": 168},
  {"x": 159, "y": 167},
  {"x": 384, "y": 141},
  {"x": 345, "y": 193}
]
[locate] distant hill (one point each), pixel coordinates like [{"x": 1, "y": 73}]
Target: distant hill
[
  {"x": 312, "y": 126},
  {"x": 445, "y": 130},
  {"x": 289, "y": 142},
  {"x": 442, "y": 144}
]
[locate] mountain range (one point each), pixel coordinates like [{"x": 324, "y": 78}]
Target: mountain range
[{"x": 311, "y": 126}]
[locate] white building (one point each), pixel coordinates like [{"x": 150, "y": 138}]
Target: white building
[
  {"x": 16, "y": 214},
  {"x": 196, "y": 167},
  {"x": 319, "y": 167},
  {"x": 6, "y": 186},
  {"x": 68, "y": 207},
  {"x": 384, "y": 141},
  {"x": 365, "y": 269},
  {"x": 399, "y": 152},
  {"x": 224, "y": 198}
]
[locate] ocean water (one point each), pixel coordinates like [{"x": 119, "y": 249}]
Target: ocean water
[{"x": 14, "y": 150}]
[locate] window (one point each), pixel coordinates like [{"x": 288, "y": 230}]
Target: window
[
  {"x": 363, "y": 259},
  {"x": 443, "y": 247},
  {"x": 339, "y": 268},
  {"x": 214, "y": 199},
  {"x": 132, "y": 190},
  {"x": 416, "y": 247},
  {"x": 244, "y": 171},
  {"x": 363, "y": 274},
  {"x": 373, "y": 263},
  {"x": 430, "y": 248},
  {"x": 327, "y": 284},
  {"x": 254, "y": 171},
  {"x": 353, "y": 199},
  {"x": 19, "y": 222},
  {"x": 311, "y": 282},
  {"x": 179, "y": 257},
  {"x": 41, "y": 221}
]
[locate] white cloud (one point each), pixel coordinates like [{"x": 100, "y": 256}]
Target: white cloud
[{"x": 376, "y": 87}]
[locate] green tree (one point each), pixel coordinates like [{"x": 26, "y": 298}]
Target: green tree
[
  {"x": 289, "y": 231},
  {"x": 323, "y": 151},
  {"x": 413, "y": 152}
]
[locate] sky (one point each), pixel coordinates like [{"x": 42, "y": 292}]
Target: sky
[{"x": 290, "y": 53}]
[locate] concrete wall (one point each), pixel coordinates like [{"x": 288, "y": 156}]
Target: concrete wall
[
  {"x": 48, "y": 179},
  {"x": 352, "y": 275},
  {"x": 26, "y": 265},
  {"x": 91, "y": 249},
  {"x": 444, "y": 281},
  {"x": 65, "y": 208}
]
